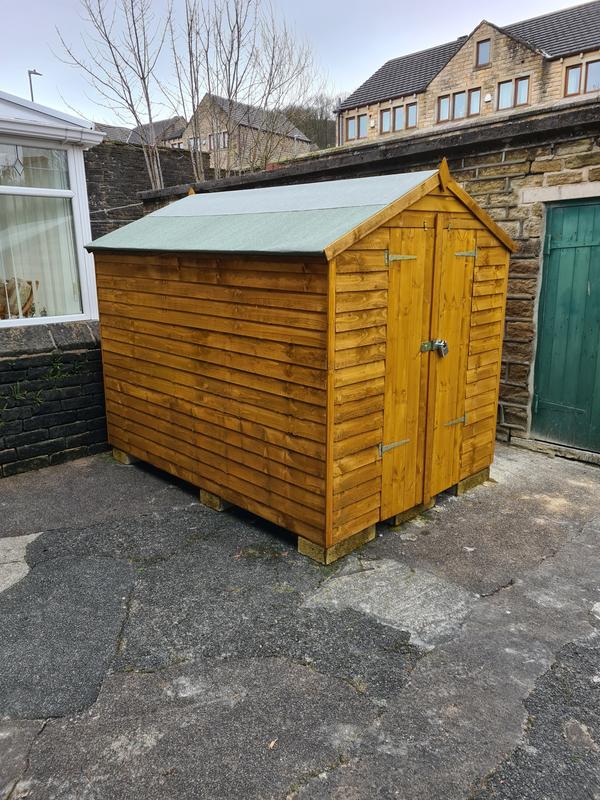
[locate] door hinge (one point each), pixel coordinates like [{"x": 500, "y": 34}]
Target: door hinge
[
  {"x": 383, "y": 448},
  {"x": 390, "y": 258},
  {"x": 456, "y": 421},
  {"x": 467, "y": 253}
]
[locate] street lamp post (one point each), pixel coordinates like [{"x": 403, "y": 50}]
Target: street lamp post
[{"x": 31, "y": 72}]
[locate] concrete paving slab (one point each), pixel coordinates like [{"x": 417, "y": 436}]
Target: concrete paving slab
[{"x": 157, "y": 649}]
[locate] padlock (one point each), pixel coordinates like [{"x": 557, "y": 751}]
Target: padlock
[{"x": 441, "y": 345}]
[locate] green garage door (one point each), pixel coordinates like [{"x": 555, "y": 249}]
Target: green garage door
[{"x": 566, "y": 404}]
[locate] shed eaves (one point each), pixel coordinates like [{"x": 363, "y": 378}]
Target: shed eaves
[{"x": 299, "y": 219}]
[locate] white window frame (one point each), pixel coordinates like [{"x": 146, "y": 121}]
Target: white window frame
[{"x": 81, "y": 224}]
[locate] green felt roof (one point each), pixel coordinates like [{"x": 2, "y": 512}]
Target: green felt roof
[{"x": 304, "y": 218}]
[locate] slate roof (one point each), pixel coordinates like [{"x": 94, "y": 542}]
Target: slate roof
[
  {"x": 165, "y": 129},
  {"x": 114, "y": 133},
  {"x": 257, "y": 118},
  {"x": 558, "y": 34},
  {"x": 304, "y": 218},
  {"x": 562, "y": 33},
  {"x": 403, "y": 76}
]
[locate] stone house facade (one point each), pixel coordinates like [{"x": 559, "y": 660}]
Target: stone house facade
[
  {"x": 241, "y": 137},
  {"x": 491, "y": 74}
]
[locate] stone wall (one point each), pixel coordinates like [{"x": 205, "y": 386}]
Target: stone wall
[
  {"x": 116, "y": 173},
  {"x": 513, "y": 170},
  {"x": 51, "y": 395}
]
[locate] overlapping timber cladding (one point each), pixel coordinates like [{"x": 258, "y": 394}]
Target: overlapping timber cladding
[{"x": 324, "y": 355}]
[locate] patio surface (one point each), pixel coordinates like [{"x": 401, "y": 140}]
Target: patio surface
[{"x": 151, "y": 648}]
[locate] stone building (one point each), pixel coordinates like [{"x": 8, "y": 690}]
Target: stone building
[
  {"x": 491, "y": 74},
  {"x": 241, "y": 137}
]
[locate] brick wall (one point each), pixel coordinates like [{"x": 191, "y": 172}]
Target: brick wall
[
  {"x": 51, "y": 396},
  {"x": 116, "y": 173}
]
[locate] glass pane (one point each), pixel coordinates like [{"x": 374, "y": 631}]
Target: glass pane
[
  {"x": 444, "y": 109},
  {"x": 37, "y": 167},
  {"x": 38, "y": 265},
  {"x": 362, "y": 126},
  {"x": 474, "y": 101},
  {"x": 573, "y": 80},
  {"x": 460, "y": 105},
  {"x": 483, "y": 53},
  {"x": 505, "y": 94},
  {"x": 522, "y": 91},
  {"x": 399, "y": 118},
  {"x": 411, "y": 115},
  {"x": 592, "y": 79},
  {"x": 351, "y": 128},
  {"x": 386, "y": 121}
]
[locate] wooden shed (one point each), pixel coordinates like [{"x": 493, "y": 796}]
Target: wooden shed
[{"x": 325, "y": 355}]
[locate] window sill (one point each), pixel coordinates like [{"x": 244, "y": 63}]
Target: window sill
[{"x": 33, "y": 321}]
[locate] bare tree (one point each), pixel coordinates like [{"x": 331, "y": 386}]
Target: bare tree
[
  {"x": 189, "y": 74},
  {"x": 118, "y": 55},
  {"x": 284, "y": 74},
  {"x": 248, "y": 67}
]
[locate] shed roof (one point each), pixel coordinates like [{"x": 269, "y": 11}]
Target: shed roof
[{"x": 303, "y": 218}]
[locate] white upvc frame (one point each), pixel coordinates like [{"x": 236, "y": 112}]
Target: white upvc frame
[{"x": 81, "y": 225}]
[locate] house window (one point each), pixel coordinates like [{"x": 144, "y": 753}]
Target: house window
[
  {"x": 444, "y": 108},
  {"x": 211, "y": 141},
  {"x": 459, "y": 105},
  {"x": 411, "y": 115},
  {"x": 484, "y": 50},
  {"x": 362, "y": 126},
  {"x": 39, "y": 266},
  {"x": 474, "y": 102},
  {"x": 505, "y": 94},
  {"x": 385, "y": 121},
  {"x": 592, "y": 76},
  {"x": 573, "y": 80},
  {"x": 350, "y": 128},
  {"x": 521, "y": 91},
  {"x": 399, "y": 118},
  {"x": 224, "y": 140}
]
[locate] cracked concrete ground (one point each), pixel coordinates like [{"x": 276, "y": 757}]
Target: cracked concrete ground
[{"x": 152, "y": 648}]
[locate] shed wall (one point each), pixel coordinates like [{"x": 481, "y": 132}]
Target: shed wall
[{"x": 215, "y": 370}]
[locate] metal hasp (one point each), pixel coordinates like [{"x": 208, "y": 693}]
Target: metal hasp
[
  {"x": 440, "y": 345},
  {"x": 391, "y": 258},
  {"x": 383, "y": 448}
]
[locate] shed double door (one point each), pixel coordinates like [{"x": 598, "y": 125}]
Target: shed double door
[{"x": 429, "y": 299}]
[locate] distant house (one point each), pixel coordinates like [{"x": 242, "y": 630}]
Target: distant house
[
  {"x": 168, "y": 132},
  {"x": 491, "y": 74},
  {"x": 240, "y": 136}
]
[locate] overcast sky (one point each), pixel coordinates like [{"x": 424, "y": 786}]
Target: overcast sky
[{"x": 350, "y": 39}]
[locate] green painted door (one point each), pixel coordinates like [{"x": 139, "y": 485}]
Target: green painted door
[{"x": 566, "y": 403}]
